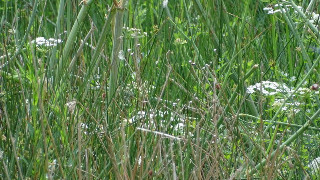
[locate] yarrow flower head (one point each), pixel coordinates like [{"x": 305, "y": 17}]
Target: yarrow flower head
[
  {"x": 281, "y": 95},
  {"x": 279, "y": 7},
  {"x": 268, "y": 88},
  {"x": 165, "y": 3},
  {"x": 41, "y": 41}
]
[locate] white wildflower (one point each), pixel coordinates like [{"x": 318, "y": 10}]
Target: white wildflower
[
  {"x": 268, "y": 9},
  {"x": 121, "y": 55},
  {"x": 41, "y": 41},
  {"x": 269, "y": 88},
  {"x": 71, "y": 106},
  {"x": 314, "y": 165},
  {"x": 293, "y": 78},
  {"x": 165, "y": 3}
]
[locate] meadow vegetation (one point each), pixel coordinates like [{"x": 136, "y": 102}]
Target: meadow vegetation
[{"x": 150, "y": 89}]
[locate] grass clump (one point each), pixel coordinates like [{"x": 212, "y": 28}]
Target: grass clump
[{"x": 159, "y": 89}]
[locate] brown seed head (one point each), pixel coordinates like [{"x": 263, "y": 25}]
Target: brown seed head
[{"x": 314, "y": 87}]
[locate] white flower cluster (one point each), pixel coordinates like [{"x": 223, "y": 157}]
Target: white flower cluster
[
  {"x": 279, "y": 8},
  {"x": 269, "y": 88},
  {"x": 41, "y": 41},
  {"x": 165, "y": 3},
  {"x": 314, "y": 166},
  {"x": 314, "y": 18},
  {"x": 283, "y": 6},
  {"x": 288, "y": 106},
  {"x": 135, "y": 33},
  {"x": 151, "y": 117}
]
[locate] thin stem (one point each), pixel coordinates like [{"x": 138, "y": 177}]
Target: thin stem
[{"x": 287, "y": 142}]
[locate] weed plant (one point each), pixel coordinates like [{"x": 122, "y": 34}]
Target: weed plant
[{"x": 184, "y": 89}]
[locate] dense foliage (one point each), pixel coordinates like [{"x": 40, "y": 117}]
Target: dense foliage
[{"x": 149, "y": 89}]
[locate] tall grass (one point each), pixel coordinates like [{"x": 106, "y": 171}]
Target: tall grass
[{"x": 159, "y": 89}]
